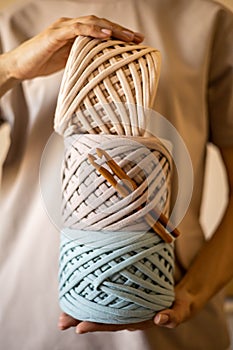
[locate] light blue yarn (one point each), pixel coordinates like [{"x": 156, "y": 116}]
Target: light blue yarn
[{"x": 114, "y": 277}]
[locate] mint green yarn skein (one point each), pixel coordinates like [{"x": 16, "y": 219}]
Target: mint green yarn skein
[{"x": 115, "y": 282}]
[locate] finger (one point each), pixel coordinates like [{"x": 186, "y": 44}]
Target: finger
[
  {"x": 65, "y": 321},
  {"x": 98, "y": 28},
  {"x": 167, "y": 319},
  {"x": 86, "y": 327},
  {"x": 60, "y": 35},
  {"x": 118, "y": 31}
]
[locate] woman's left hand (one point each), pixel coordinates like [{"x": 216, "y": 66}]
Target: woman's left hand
[{"x": 181, "y": 311}]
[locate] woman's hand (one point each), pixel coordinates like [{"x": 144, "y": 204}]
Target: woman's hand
[
  {"x": 66, "y": 321},
  {"x": 47, "y": 52},
  {"x": 181, "y": 311}
]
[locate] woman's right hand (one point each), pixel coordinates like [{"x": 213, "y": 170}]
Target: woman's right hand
[{"x": 47, "y": 52}]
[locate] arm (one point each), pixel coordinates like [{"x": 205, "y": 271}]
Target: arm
[
  {"x": 6, "y": 80},
  {"x": 212, "y": 268},
  {"x": 47, "y": 52}
]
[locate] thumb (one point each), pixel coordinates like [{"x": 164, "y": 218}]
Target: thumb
[{"x": 166, "y": 318}]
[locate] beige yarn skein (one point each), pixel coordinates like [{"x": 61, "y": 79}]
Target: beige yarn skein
[{"x": 106, "y": 87}]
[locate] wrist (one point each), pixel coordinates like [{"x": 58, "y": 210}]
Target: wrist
[
  {"x": 7, "y": 79},
  {"x": 194, "y": 293}
]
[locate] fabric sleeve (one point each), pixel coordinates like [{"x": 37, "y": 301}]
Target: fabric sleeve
[
  {"x": 1, "y": 51},
  {"x": 4, "y": 128},
  {"x": 220, "y": 86},
  {"x": 13, "y": 104}
]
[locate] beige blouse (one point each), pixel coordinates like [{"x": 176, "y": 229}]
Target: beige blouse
[{"x": 194, "y": 94}]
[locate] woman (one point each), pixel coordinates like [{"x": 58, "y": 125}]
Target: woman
[{"x": 194, "y": 93}]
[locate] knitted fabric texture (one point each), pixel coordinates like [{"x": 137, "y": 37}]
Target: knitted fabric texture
[{"x": 113, "y": 268}]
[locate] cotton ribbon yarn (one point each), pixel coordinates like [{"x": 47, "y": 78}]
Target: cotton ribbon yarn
[
  {"x": 106, "y": 88},
  {"x": 113, "y": 267}
]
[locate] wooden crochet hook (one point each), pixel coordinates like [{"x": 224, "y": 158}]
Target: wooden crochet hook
[
  {"x": 117, "y": 170},
  {"x": 108, "y": 176},
  {"x": 158, "y": 228}
]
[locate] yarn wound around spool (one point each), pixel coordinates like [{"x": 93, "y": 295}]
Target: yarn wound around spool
[{"x": 113, "y": 267}]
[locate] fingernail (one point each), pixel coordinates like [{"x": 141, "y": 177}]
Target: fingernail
[
  {"x": 139, "y": 36},
  {"x": 161, "y": 319},
  {"x": 129, "y": 35},
  {"x": 107, "y": 32}
]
